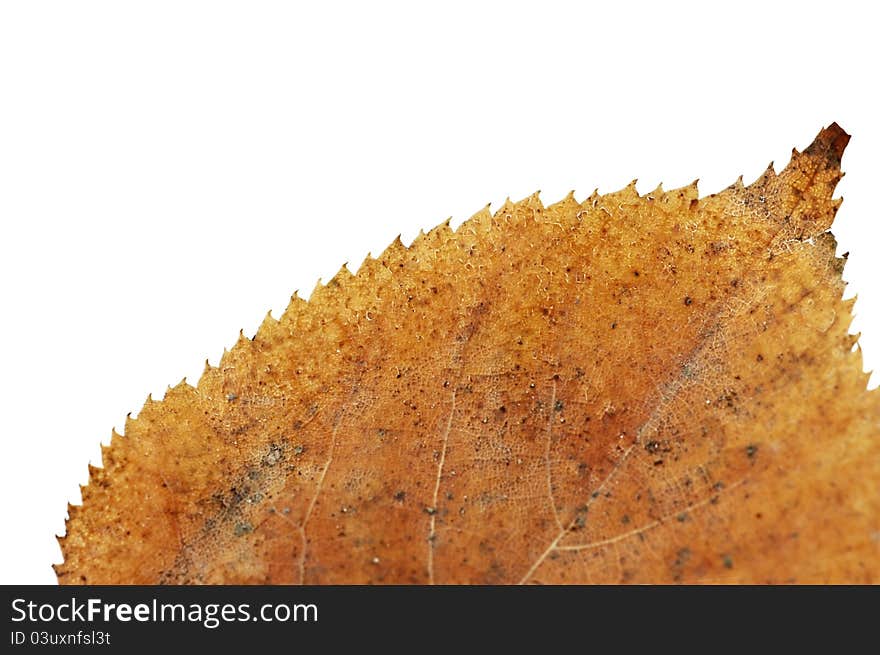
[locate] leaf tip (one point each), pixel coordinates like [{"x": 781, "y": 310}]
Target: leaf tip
[{"x": 829, "y": 144}]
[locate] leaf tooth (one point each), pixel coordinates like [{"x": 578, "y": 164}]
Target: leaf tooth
[
  {"x": 70, "y": 511},
  {"x": 267, "y": 326},
  {"x": 393, "y": 251},
  {"x": 367, "y": 260},
  {"x": 418, "y": 241},
  {"x": 846, "y": 317},
  {"x": 129, "y": 424},
  {"x": 852, "y": 340},
  {"x": 182, "y": 388},
  {"x": 481, "y": 219},
  {"x": 95, "y": 472},
  {"x": 107, "y": 451},
  {"x": 151, "y": 404},
  {"x": 438, "y": 234},
  {"x": 344, "y": 272},
  {"x": 506, "y": 208},
  {"x": 230, "y": 353},
  {"x": 224, "y": 358},
  {"x": 528, "y": 207},
  {"x": 568, "y": 201},
  {"x": 684, "y": 194},
  {"x": 294, "y": 308},
  {"x": 316, "y": 290},
  {"x": 656, "y": 193},
  {"x": 764, "y": 179},
  {"x": 242, "y": 339},
  {"x": 856, "y": 357},
  {"x": 342, "y": 277},
  {"x": 369, "y": 266},
  {"x": 625, "y": 193},
  {"x": 532, "y": 201},
  {"x": 796, "y": 159}
]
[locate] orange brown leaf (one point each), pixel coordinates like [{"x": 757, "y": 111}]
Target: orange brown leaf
[{"x": 649, "y": 389}]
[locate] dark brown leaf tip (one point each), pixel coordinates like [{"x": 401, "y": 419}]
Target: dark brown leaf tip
[
  {"x": 801, "y": 198},
  {"x": 829, "y": 145}
]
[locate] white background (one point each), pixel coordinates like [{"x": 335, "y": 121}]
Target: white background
[{"x": 169, "y": 171}]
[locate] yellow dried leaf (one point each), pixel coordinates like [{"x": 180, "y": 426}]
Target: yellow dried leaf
[{"x": 656, "y": 388}]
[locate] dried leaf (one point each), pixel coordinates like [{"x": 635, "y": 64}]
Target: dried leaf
[{"x": 654, "y": 388}]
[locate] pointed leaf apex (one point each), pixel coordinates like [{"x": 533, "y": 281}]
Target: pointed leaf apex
[{"x": 830, "y": 144}]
